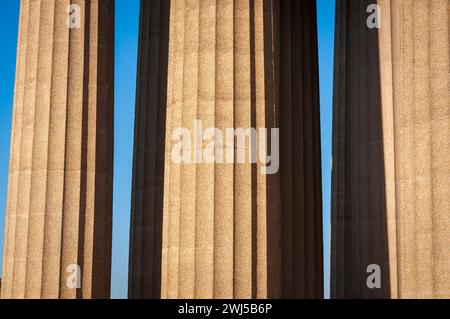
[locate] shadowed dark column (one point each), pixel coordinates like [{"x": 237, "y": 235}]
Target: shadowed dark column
[
  {"x": 148, "y": 165},
  {"x": 301, "y": 181},
  {"x": 359, "y": 228}
]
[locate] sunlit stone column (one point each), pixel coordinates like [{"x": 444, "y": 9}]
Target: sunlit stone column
[
  {"x": 206, "y": 224},
  {"x": 391, "y": 174},
  {"x": 420, "y": 68},
  {"x": 60, "y": 182}
]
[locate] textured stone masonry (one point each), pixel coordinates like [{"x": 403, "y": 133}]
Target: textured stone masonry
[
  {"x": 225, "y": 230},
  {"x": 391, "y": 146},
  {"x": 59, "y": 206}
]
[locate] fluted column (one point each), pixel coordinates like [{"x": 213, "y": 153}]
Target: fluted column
[
  {"x": 226, "y": 233},
  {"x": 60, "y": 182},
  {"x": 301, "y": 177},
  {"x": 148, "y": 165},
  {"x": 358, "y": 179},
  {"x": 420, "y": 62},
  {"x": 406, "y": 171}
]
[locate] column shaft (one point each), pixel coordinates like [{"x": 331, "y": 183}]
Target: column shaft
[
  {"x": 149, "y": 150},
  {"x": 225, "y": 231},
  {"x": 391, "y": 146},
  {"x": 359, "y": 234},
  {"x": 60, "y": 182},
  {"x": 420, "y": 64}
]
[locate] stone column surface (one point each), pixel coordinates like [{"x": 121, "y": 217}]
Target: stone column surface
[
  {"x": 60, "y": 182},
  {"x": 391, "y": 170},
  {"x": 222, "y": 228}
]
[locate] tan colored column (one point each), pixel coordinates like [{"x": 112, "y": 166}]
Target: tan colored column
[
  {"x": 413, "y": 106},
  {"x": 420, "y": 62},
  {"x": 60, "y": 182},
  {"x": 225, "y": 231}
]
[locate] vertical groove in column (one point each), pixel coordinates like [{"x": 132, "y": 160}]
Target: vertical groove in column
[
  {"x": 404, "y": 134},
  {"x": 261, "y": 111},
  {"x": 422, "y": 143},
  {"x": 165, "y": 280},
  {"x": 40, "y": 153},
  {"x": 25, "y": 155},
  {"x": 386, "y": 77},
  {"x": 223, "y": 222},
  {"x": 406, "y": 163},
  {"x": 56, "y": 175},
  {"x": 74, "y": 204},
  {"x": 253, "y": 140},
  {"x": 273, "y": 222},
  {"x": 242, "y": 190},
  {"x": 189, "y": 84},
  {"x": 317, "y": 160},
  {"x": 102, "y": 147},
  {"x": 440, "y": 142},
  {"x": 56, "y": 151},
  {"x": 204, "y": 229},
  {"x": 88, "y": 150},
  {"x": 315, "y": 238},
  {"x": 339, "y": 147},
  {"x": 358, "y": 212},
  {"x": 19, "y": 90},
  {"x": 397, "y": 56},
  {"x": 298, "y": 109},
  {"x": 286, "y": 88},
  {"x": 223, "y": 173},
  {"x": 172, "y": 210},
  {"x": 378, "y": 152},
  {"x": 313, "y": 244}
]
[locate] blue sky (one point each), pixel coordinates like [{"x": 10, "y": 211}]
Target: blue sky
[
  {"x": 325, "y": 17},
  {"x": 9, "y": 18},
  {"x": 127, "y": 21}
]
